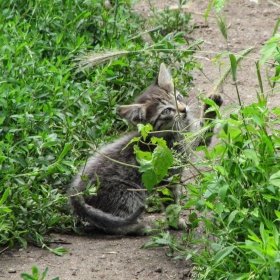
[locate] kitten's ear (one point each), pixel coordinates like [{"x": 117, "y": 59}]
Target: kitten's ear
[
  {"x": 165, "y": 79},
  {"x": 135, "y": 113}
]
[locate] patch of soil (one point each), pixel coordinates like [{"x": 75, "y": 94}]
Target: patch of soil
[
  {"x": 94, "y": 257},
  {"x": 114, "y": 257}
]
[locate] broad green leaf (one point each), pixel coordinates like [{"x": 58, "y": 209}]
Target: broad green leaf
[
  {"x": 145, "y": 166},
  {"x": 269, "y": 48},
  {"x": 252, "y": 154},
  {"x": 144, "y": 129},
  {"x": 275, "y": 272},
  {"x": 142, "y": 157},
  {"x": 232, "y": 133},
  {"x": 172, "y": 214},
  {"x": 166, "y": 192},
  {"x": 160, "y": 141},
  {"x": 149, "y": 178},
  {"x": 5, "y": 209},
  {"x": 190, "y": 203},
  {"x": 254, "y": 238},
  {"x": 258, "y": 261},
  {"x": 275, "y": 179},
  {"x": 232, "y": 216},
  {"x": 222, "y": 254},
  {"x": 209, "y": 204},
  {"x": 223, "y": 192},
  {"x": 162, "y": 159},
  {"x": 277, "y": 213}
]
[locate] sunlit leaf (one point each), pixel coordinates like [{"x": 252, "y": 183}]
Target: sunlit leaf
[{"x": 222, "y": 254}]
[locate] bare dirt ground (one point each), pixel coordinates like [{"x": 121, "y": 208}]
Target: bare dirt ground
[{"x": 114, "y": 257}]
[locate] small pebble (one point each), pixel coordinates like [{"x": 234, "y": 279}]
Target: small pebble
[{"x": 12, "y": 270}]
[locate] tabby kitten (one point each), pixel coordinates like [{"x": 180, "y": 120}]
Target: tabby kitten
[{"x": 115, "y": 209}]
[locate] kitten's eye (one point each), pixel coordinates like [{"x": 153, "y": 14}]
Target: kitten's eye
[{"x": 167, "y": 111}]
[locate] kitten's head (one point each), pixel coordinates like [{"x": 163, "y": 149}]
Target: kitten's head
[{"x": 157, "y": 105}]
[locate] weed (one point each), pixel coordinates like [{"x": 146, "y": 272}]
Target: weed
[
  {"x": 35, "y": 275},
  {"x": 238, "y": 194}
]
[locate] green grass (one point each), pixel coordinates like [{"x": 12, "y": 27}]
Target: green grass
[{"x": 52, "y": 112}]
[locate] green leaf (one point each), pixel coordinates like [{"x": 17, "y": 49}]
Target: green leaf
[
  {"x": 45, "y": 272},
  {"x": 145, "y": 166},
  {"x": 149, "y": 178},
  {"x": 275, "y": 272},
  {"x": 166, "y": 192},
  {"x": 150, "y": 244},
  {"x": 66, "y": 149},
  {"x": 190, "y": 203},
  {"x": 35, "y": 272},
  {"x": 209, "y": 204},
  {"x": 5, "y": 196},
  {"x": 222, "y": 254},
  {"x": 5, "y": 209},
  {"x": 60, "y": 251},
  {"x": 144, "y": 129},
  {"x": 172, "y": 214},
  {"x": 219, "y": 5},
  {"x": 275, "y": 236},
  {"x": 264, "y": 234},
  {"x": 269, "y": 49},
  {"x": 26, "y": 276},
  {"x": 275, "y": 179},
  {"x": 162, "y": 159},
  {"x": 252, "y": 154},
  {"x": 143, "y": 158},
  {"x": 223, "y": 192},
  {"x": 232, "y": 216},
  {"x": 277, "y": 213},
  {"x": 133, "y": 140}
]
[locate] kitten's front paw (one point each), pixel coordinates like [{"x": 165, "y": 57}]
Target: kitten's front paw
[{"x": 217, "y": 98}]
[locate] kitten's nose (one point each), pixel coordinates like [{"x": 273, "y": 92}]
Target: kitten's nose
[{"x": 182, "y": 108}]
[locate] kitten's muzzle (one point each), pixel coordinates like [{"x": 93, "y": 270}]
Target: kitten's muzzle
[{"x": 182, "y": 108}]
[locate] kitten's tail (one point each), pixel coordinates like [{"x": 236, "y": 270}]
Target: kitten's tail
[{"x": 107, "y": 222}]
